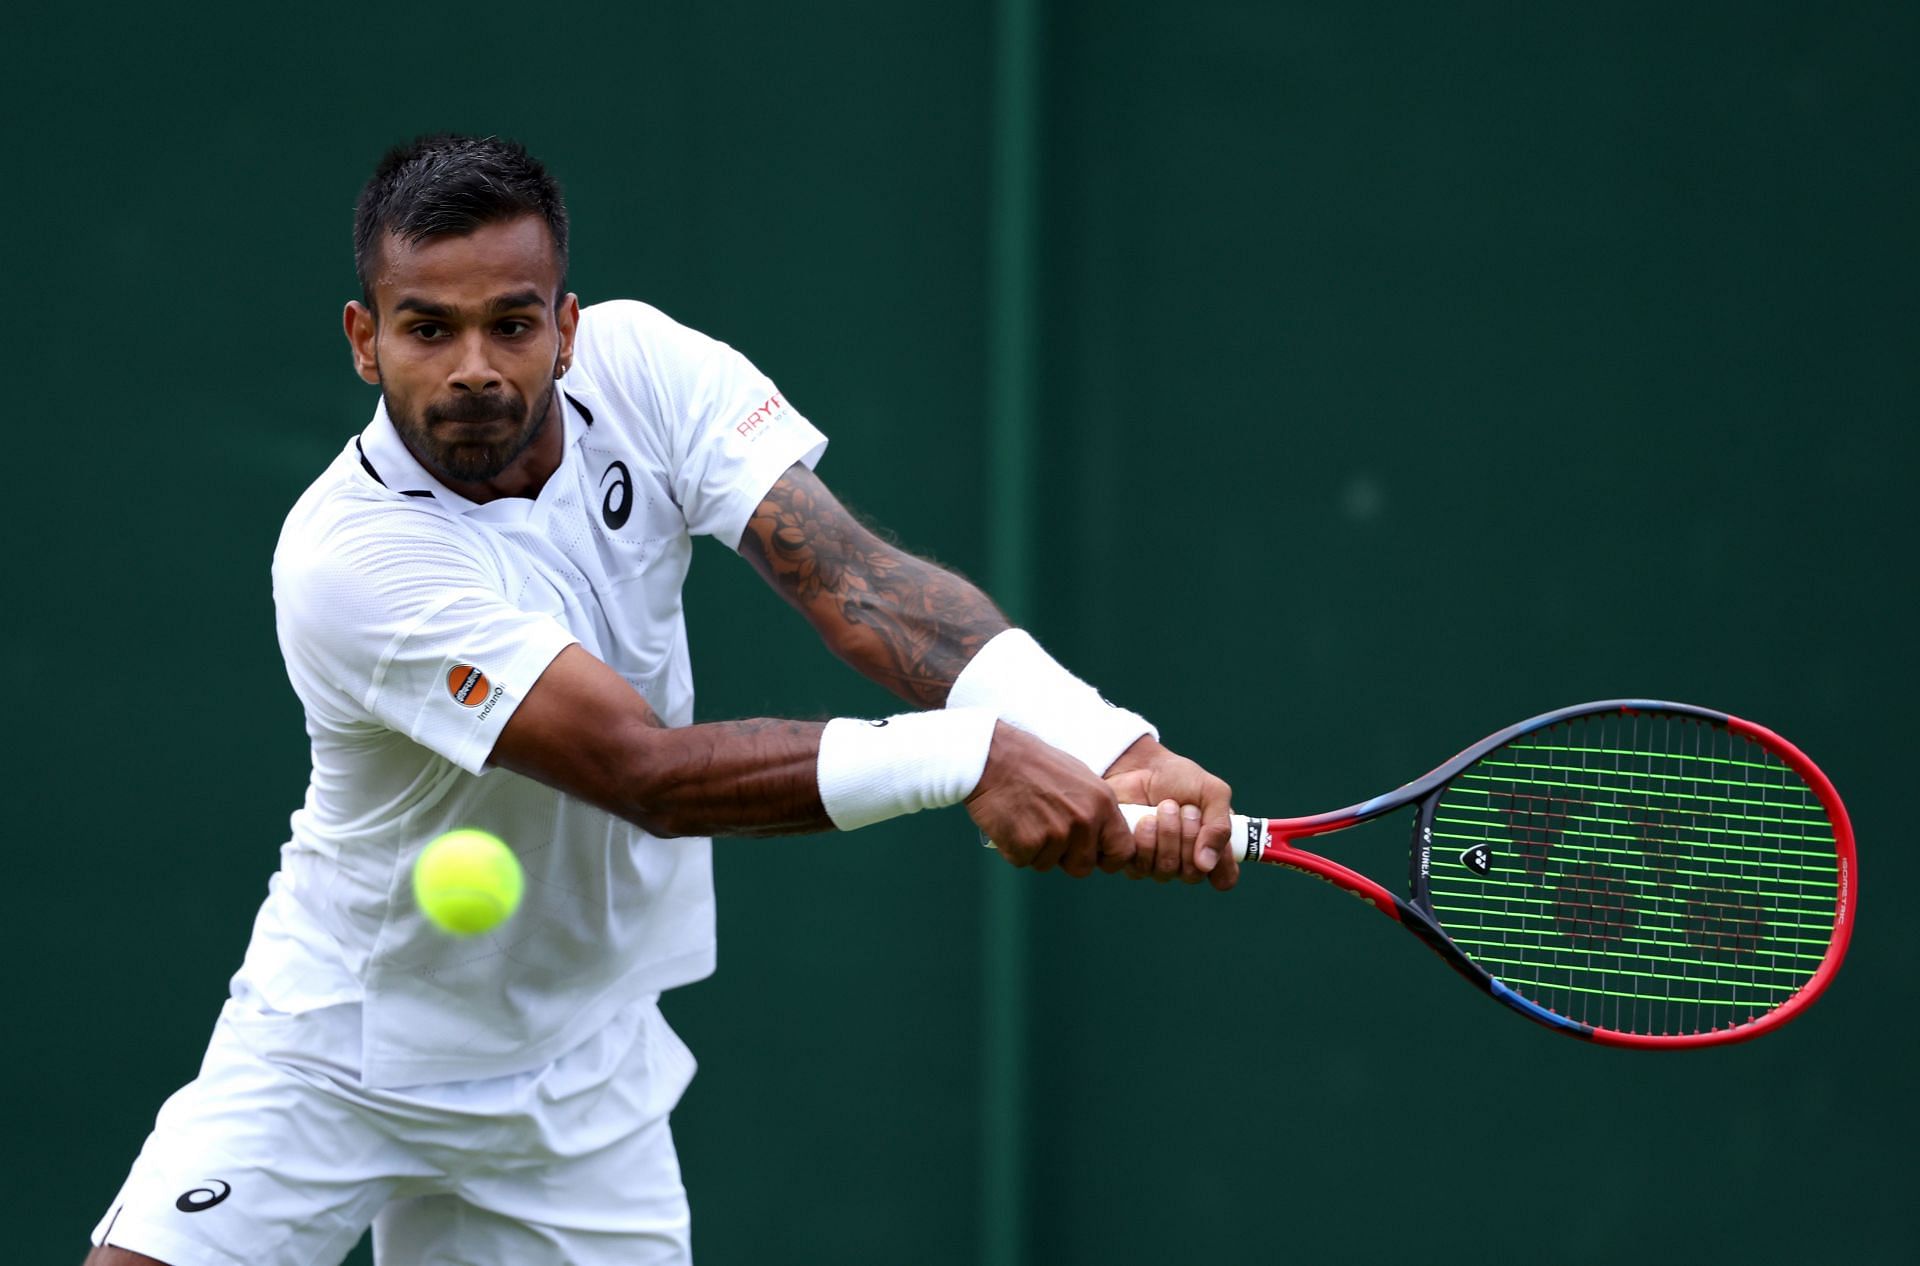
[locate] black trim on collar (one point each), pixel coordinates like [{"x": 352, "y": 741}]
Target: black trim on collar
[
  {"x": 368, "y": 467},
  {"x": 585, "y": 412}
]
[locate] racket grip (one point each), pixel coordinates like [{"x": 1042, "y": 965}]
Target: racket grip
[{"x": 1246, "y": 836}]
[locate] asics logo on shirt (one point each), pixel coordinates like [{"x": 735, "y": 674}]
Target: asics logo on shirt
[
  {"x": 201, "y": 1198},
  {"x": 618, "y": 505}
]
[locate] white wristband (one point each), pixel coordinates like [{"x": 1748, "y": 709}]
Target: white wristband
[
  {"x": 873, "y": 770},
  {"x": 1027, "y": 688}
]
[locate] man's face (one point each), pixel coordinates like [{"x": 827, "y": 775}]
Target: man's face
[{"x": 468, "y": 345}]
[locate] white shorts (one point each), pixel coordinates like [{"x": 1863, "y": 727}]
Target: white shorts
[{"x": 273, "y": 1157}]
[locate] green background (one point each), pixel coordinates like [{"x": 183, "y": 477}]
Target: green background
[{"x": 1397, "y": 371}]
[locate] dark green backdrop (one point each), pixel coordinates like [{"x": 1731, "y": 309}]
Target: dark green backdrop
[{"x": 1399, "y": 371}]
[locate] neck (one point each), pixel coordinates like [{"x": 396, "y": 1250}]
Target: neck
[{"x": 528, "y": 473}]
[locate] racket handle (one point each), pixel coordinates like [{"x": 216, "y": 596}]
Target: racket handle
[{"x": 1246, "y": 836}]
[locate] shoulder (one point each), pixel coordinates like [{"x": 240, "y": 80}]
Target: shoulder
[
  {"x": 630, "y": 316},
  {"x": 348, "y": 540},
  {"x": 619, "y": 324},
  {"x": 620, "y": 338}
]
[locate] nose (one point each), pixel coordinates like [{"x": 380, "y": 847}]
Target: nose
[{"x": 474, "y": 372}]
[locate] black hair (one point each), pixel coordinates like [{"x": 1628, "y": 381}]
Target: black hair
[{"x": 446, "y": 185}]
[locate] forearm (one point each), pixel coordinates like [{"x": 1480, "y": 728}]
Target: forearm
[
  {"x": 906, "y": 623},
  {"x": 752, "y": 777},
  {"x": 779, "y": 777},
  {"x": 585, "y": 731},
  {"x": 912, "y": 633}
]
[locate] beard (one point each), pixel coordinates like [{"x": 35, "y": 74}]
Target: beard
[{"x": 495, "y": 428}]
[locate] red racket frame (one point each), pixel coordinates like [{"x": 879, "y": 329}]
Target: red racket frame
[{"x": 1271, "y": 840}]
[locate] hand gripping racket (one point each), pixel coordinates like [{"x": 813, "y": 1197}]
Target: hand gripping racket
[{"x": 1631, "y": 872}]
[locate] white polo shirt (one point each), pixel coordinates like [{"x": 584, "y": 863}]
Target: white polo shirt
[{"x": 413, "y": 622}]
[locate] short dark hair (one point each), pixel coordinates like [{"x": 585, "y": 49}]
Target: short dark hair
[{"x": 447, "y": 185}]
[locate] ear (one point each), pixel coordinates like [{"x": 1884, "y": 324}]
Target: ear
[
  {"x": 362, "y": 332},
  {"x": 568, "y": 318}
]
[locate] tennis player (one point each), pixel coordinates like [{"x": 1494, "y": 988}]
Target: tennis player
[{"x": 479, "y": 604}]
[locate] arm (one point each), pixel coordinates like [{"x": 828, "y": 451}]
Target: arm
[
  {"x": 582, "y": 729},
  {"x": 912, "y": 626},
  {"x": 900, "y": 621}
]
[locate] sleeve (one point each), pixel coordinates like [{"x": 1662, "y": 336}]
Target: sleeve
[
  {"x": 405, "y": 628},
  {"x": 730, "y": 432}
]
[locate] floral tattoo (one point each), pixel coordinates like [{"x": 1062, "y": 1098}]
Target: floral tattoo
[{"x": 904, "y": 622}]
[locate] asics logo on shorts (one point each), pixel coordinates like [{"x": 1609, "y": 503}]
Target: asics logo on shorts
[{"x": 203, "y": 1197}]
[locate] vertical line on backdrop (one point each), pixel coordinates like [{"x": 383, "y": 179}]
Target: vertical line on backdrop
[{"x": 1011, "y": 325}]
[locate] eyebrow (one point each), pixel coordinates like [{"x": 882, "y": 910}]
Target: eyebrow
[{"x": 499, "y": 303}]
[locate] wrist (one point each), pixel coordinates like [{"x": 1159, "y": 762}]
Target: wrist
[
  {"x": 869, "y": 771},
  {"x": 1142, "y": 753},
  {"x": 1029, "y": 689}
]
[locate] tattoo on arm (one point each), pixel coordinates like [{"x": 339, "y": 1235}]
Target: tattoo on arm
[{"x": 908, "y": 624}]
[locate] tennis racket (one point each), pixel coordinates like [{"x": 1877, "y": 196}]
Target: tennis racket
[{"x": 1631, "y": 872}]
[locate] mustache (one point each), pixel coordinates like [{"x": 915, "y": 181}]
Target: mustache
[{"x": 491, "y": 407}]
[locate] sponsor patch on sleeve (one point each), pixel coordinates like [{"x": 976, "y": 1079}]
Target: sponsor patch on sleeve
[
  {"x": 760, "y": 418},
  {"x": 471, "y": 688},
  {"x": 468, "y": 685}
]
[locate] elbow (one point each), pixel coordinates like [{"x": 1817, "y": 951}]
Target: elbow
[{"x": 642, "y": 783}]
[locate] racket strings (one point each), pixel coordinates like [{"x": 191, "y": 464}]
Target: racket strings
[{"x": 1651, "y": 874}]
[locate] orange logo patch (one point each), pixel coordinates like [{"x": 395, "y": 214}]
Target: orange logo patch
[{"x": 468, "y": 686}]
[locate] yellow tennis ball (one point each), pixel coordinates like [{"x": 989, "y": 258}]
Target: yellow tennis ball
[{"x": 467, "y": 882}]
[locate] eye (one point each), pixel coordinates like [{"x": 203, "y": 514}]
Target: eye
[
  {"x": 512, "y": 327},
  {"x": 428, "y": 332}
]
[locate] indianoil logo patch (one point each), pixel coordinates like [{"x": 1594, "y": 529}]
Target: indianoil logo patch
[{"x": 468, "y": 686}]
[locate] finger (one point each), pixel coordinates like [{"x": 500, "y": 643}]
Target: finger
[
  {"x": 1006, "y": 853},
  {"x": 1227, "y": 873},
  {"x": 1083, "y": 850},
  {"x": 1005, "y": 838},
  {"x": 1190, "y": 869},
  {"x": 1117, "y": 845},
  {"x": 1052, "y": 847},
  {"x": 1145, "y": 836},
  {"x": 1216, "y": 825},
  {"x": 1166, "y": 860},
  {"x": 987, "y": 841}
]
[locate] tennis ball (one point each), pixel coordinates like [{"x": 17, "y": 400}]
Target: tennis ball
[{"x": 467, "y": 882}]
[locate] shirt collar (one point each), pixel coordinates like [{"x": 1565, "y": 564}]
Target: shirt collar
[{"x": 386, "y": 457}]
